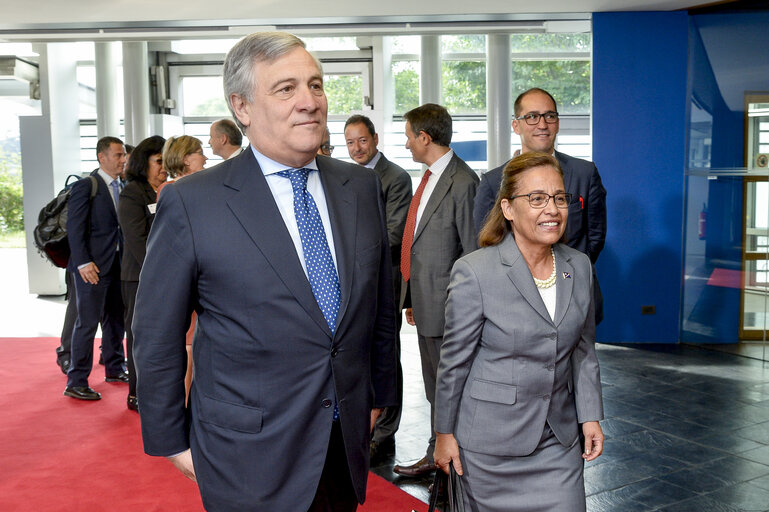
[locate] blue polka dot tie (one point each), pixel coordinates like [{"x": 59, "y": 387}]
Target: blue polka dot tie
[{"x": 317, "y": 255}]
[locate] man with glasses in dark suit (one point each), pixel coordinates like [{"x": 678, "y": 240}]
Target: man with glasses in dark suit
[{"x": 536, "y": 121}]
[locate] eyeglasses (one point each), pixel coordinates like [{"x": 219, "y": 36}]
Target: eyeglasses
[
  {"x": 539, "y": 200},
  {"x": 532, "y": 118},
  {"x": 327, "y": 149}
]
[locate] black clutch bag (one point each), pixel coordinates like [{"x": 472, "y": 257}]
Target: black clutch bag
[{"x": 447, "y": 490}]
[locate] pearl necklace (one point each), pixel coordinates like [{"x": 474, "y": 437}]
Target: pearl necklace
[{"x": 550, "y": 281}]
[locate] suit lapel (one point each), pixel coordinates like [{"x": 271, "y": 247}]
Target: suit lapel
[
  {"x": 564, "y": 285},
  {"x": 254, "y": 207},
  {"x": 566, "y": 174},
  {"x": 342, "y": 211},
  {"x": 441, "y": 189},
  {"x": 520, "y": 275}
]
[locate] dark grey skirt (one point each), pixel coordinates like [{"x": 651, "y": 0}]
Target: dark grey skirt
[{"x": 548, "y": 480}]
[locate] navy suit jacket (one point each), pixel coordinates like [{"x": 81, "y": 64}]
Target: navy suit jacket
[
  {"x": 93, "y": 231},
  {"x": 267, "y": 367}
]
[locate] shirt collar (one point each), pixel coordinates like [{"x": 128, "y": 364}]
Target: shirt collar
[
  {"x": 372, "y": 163},
  {"x": 440, "y": 165},
  {"x": 270, "y": 166},
  {"x": 106, "y": 177}
]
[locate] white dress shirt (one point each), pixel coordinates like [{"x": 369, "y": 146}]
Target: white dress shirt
[
  {"x": 283, "y": 194},
  {"x": 435, "y": 174}
]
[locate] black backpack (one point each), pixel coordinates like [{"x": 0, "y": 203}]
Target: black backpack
[{"x": 51, "y": 231}]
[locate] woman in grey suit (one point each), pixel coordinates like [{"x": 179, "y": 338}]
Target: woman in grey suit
[{"x": 518, "y": 372}]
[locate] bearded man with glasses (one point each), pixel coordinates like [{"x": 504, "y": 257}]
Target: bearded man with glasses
[{"x": 536, "y": 121}]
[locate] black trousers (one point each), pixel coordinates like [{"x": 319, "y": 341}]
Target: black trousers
[
  {"x": 70, "y": 316},
  {"x": 335, "y": 492},
  {"x": 129, "y": 289}
]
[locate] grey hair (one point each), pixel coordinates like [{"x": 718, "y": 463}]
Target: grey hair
[{"x": 238, "y": 70}]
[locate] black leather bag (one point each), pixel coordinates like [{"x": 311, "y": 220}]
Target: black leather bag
[{"x": 447, "y": 489}]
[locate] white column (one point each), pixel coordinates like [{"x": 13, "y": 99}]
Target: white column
[
  {"x": 136, "y": 92},
  {"x": 430, "y": 77},
  {"x": 50, "y": 151},
  {"x": 499, "y": 70},
  {"x": 107, "y": 99}
]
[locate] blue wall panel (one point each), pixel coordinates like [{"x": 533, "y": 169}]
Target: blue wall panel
[{"x": 639, "y": 128}]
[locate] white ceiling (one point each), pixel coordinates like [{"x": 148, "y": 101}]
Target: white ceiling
[{"x": 101, "y": 19}]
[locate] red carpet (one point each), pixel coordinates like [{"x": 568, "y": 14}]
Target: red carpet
[{"x": 60, "y": 454}]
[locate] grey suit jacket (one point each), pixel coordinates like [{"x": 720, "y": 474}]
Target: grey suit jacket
[
  {"x": 444, "y": 234},
  {"x": 267, "y": 367},
  {"x": 396, "y": 187},
  {"x": 505, "y": 366}
]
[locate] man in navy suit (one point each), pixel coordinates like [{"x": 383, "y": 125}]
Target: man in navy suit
[
  {"x": 536, "y": 121},
  {"x": 95, "y": 243},
  {"x": 293, "y": 353}
]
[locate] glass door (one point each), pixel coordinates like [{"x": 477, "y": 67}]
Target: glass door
[{"x": 754, "y": 297}]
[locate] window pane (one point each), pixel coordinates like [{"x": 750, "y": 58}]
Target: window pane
[
  {"x": 406, "y": 78},
  {"x": 203, "y": 96},
  {"x": 328, "y": 44},
  {"x": 464, "y": 87},
  {"x": 344, "y": 93},
  {"x": 550, "y": 42},
  {"x": 567, "y": 80},
  {"x": 407, "y": 44},
  {"x": 463, "y": 44}
]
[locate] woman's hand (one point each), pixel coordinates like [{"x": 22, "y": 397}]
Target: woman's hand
[
  {"x": 593, "y": 440},
  {"x": 446, "y": 451}
]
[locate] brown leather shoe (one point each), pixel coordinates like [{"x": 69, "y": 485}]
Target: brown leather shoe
[{"x": 419, "y": 468}]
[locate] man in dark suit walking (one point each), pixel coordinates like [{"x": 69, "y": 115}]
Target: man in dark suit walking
[
  {"x": 284, "y": 256},
  {"x": 362, "y": 141},
  {"x": 439, "y": 230},
  {"x": 536, "y": 121},
  {"x": 95, "y": 245}
]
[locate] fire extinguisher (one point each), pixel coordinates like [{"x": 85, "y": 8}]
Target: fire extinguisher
[{"x": 703, "y": 223}]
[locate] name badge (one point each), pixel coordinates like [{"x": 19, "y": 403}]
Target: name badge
[{"x": 152, "y": 207}]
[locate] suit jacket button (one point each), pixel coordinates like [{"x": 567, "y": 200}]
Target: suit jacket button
[
  {"x": 326, "y": 403},
  {"x": 334, "y": 352},
  {"x": 550, "y": 367},
  {"x": 546, "y": 398}
]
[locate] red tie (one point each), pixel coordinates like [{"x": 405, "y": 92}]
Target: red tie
[{"x": 408, "y": 232}]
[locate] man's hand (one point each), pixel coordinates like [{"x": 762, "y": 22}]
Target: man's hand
[
  {"x": 410, "y": 316},
  {"x": 183, "y": 463},
  {"x": 446, "y": 452},
  {"x": 374, "y": 415},
  {"x": 90, "y": 273}
]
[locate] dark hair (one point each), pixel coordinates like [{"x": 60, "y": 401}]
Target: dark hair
[
  {"x": 105, "y": 142},
  {"x": 497, "y": 226},
  {"x": 129, "y": 149},
  {"x": 519, "y": 99},
  {"x": 432, "y": 119},
  {"x": 140, "y": 158},
  {"x": 357, "y": 118},
  {"x": 230, "y": 129}
]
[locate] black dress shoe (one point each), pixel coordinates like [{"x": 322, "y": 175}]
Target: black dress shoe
[
  {"x": 120, "y": 377},
  {"x": 82, "y": 393},
  {"x": 419, "y": 468},
  {"x": 132, "y": 403}
]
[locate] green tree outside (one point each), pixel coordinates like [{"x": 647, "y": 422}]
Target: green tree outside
[{"x": 11, "y": 193}]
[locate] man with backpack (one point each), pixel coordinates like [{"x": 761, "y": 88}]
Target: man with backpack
[{"x": 95, "y": 243}]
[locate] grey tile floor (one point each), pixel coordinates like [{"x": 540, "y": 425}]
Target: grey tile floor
[{"x": 687, "y": 429}]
